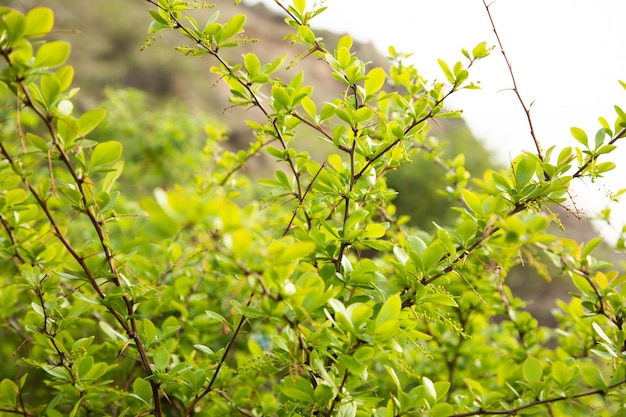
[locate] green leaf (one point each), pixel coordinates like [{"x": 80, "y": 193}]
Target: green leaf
[
  {"x": 532, "y": 370},
  {"x": 390, "y": 310},
  {"x": 599, "y": 138},
  {"x": 8, "y": 392},
  {"x": 347, "y": 409},
  {"x": 354, "y": 219},
  {"x": 300, "y": 6},
  {"x": 590, "y": 246},
  {"x": 98, "y": 370},
  {"x": 441, "y": 299},
  {"x": 161, "y": 358},
  {"x": 524, "y": 170},
  {"x": 442, "y": 410},
  {"x": 295, "y": 251},
  {"x": 15, "y": 196},
  {"x": 475, "y": 387},
  {"x": 431, "y": 392},
  {"x": 374, "y": 231},
  {"x": 39, "y": 21},
  {"x": 215, "y": 316},
  {"x": 52, "y": 54},
  {"x": 158, "y": 18},
  {"x": 480, "y": 50},
  {"x": 15, "y": 25},
  {"x": 105, "y": 153},
  {"x": 50, "y": 89},
  {"x": 252, "y": 64},
  {"x": 593, "y": 377},
  {"x": 583, "y": 285},
  {"x": 472, "y": 200},
  {"x": 306, "y": 34},
  {"x": 149, "y": 332},
  {"x": 602, "y": 334},
  {"x": 309, "y": 107},
  {"x": 580, "y": 136},
  {"x": 375, "y": 80},
  {"x": 58, "y": 372},
  {"x": 281, "y": 98},
  {"x": 274, "y": 65},
  {"x": 89, "y": 121},
  {"x": 561, "y": 373},
  {"x": 605, "y": 166},
  {"x": 84, "y": 366},
  {"x": 446, "y": 70},
  {"x": 143, "y": 390},
  {"x": 466, "y": 230},
  {"x": 82, "y": 343},
  {"x": 300, "y": 389},
  {"x": 112, "y": 176},
  {"x": 204, "y": 349},
  {"x": 432, "y": 255},
  {"x": 234, "y": 26}
]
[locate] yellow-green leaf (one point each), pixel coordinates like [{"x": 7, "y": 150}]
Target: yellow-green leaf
[
  {"x": 531, "y": 369},
  {"x": 39, "y": 21},
  {"x": 105, "y": 153},
  {"x": 472, "y": 200},
  {"x": 375, "y": 80},
  {"x": 89, "y": 121},
  {"x": 52, "y": 54}
]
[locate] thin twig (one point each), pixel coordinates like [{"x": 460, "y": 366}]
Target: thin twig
[
  {"x": 516, "y": 410},
  {"x": 515, "y": 88},
  {"x": 189, "y": 411}
]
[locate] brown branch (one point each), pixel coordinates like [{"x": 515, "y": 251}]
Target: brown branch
[
  {"x": 189, "y": 411},
  {"x": 344, "y": 380},
  {"x": 313, "y": 125},
  {"x": 90, "y": 210},
  {"x": 12, "y": 239},
  {"x": 415, "y": 123},
  {"x": 515, "y": 88},
  {"x": 547, "y": 401},
  {"x": 20, "y": 413},
  {"x": 308, "y": 188}
]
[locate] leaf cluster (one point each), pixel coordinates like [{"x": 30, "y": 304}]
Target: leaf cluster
[{"x": 317, "y": 300}]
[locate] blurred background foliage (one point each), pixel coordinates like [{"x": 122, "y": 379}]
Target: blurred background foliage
[{"x": 165, "y": 108}]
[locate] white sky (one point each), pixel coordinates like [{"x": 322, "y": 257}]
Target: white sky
[{"x": 567, "y": 56}]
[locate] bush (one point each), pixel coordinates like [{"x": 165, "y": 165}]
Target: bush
[{"x": 314, "y": 301}]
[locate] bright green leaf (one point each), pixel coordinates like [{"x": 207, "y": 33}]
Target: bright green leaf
[
  {"x": 89, "y": 121},
  {"x": 524, "y": 170},
  {"x": 532, "y": 370},
  {"x": 39, "y": 21},
  {"x": 105, "y": 153},
  {"x": 472, "y": 200},
  {"x": 593, "y": 377},
  {"x": 375, "y": 80},
  {"x": 390, "y": 310},
  {"x": 252, "y": 64},
  {"x": 52, "y": 54},
  {"x": 143, "y": 390},
  {"x": 580, "y": 136}
]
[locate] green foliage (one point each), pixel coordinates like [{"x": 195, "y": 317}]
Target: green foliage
[
  {"x": 422, "y": 195},
  {"x": 315, "y": 301},
  {"x": 155, "y": 136}
]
